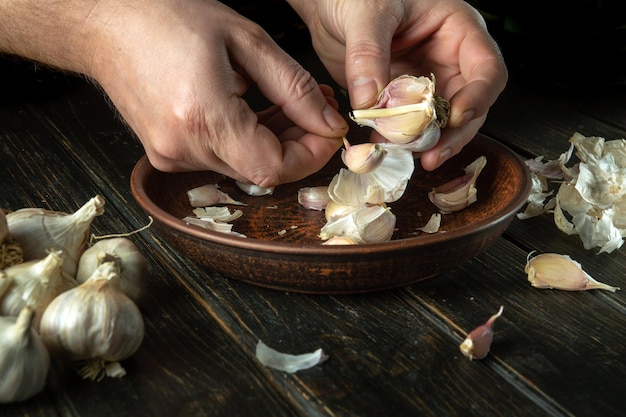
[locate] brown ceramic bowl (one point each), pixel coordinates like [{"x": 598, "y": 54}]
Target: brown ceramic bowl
[{"x": 283, "y": 251}]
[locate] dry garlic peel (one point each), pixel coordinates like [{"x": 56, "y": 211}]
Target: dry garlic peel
[
  {"x": 314, "y": 198},
  {"x": 39, "y": 230},
  {"x": 478, "y": 342},
  {"x": 552, "y": 270},
  {"x": 131, "y": 264},
  {"x": 210, "y": 195},
  {"x": 95, "y": 322},
  {"x": 460, "y": 192},
  {"x": 287, "y": 362},
  {"x": 367, "y": 224},
  {"x": 406, "y": 109},
  {"x": 24, "y": 360},
  {"x": 254, "y": 190}
]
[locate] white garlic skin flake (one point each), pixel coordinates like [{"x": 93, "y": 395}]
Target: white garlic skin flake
[{"x": 24, "y": 360}]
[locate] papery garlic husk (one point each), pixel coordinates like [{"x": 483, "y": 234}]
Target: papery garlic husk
[
  {"x": 460, "y": 192},
  {"x": 552, "y": 270},
  {"x": 210, "y": 195},
  {"x": 94, "y": 322},
  {"x": 406, "y": 109},
  {"x": 334, "y": 209},
  {"x": 367, "y": 224},
  {"x": 433, "y": 224},
  {"x": 24, "y": 360},
  {"x": 254, "y": 190},
  {"x": 131, "y": 263},
  {"x": 10, "y": 251},
  {"x": 384, "y": 184},
  {"x": 362, "y": 158},
  {"x": 39, "y": 230},
  {"x": 314, "y": 198},
  {"x": 287, "y": 362},
  {"x": 35, "y": 284},
  {"x": 478, "y": 342}
]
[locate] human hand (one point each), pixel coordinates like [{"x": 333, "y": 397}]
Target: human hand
[
  {"x": 366, "y": 43},
  {"x": 177, "y": 71}
]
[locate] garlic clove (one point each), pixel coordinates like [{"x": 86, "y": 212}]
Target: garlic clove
[
  {"x": 132, "y": 265},
  {"x": 367, "y": 224},
  {"x": 552, "y": 270},
  {"x": 210, "y": 195},
  {"x": 405, "y": 109},
  {"x": 314, "y": 198},
  {"x": 24, "y": 360},
  {"x": 38, "y": 230},
  {"x": 459, "y": 193},
  {"x": 478, "y": 342},
  {"x": 94, "y": 321},
  {"x": 362, "y": 158}
]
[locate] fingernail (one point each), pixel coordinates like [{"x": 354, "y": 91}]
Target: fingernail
[
  {"x": 334, "y": 119},
  {"x": 364, "y": 92}
]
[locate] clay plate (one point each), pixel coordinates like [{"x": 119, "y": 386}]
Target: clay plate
[{"x": 283, "y": 251}]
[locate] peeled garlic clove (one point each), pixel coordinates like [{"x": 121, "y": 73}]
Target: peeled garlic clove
[
  {"x": 254, "y": 190},
  {"x": 405, "y": 109},
  {"x": 35, "y": 284},
  {"x": 314, "y": 198},
  {"x": 210, "y": 195},
  {"x": 460, "y": 192},
  {"x": 478, "y": 342},
  {"x": 24, "y": 360},
  {"x": 362, "y": 158},
  {"x": 94, "y": 321},
  {"x": 367, "y": 224},
  {"x": 551, "y": 270},
  {"x": 131, "y": 264},
  {"x": 39, "y": 230}
]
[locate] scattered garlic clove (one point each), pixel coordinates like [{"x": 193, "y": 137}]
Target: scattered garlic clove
[
  {"x": 210, "y": 195},
  {"x": 459, "y": 193},
  {"x": 131, "y": 263},
  {"x": 367, "y": 224},
  {"x": 35, "y": 284},
  {"x": 24, "y": 360},
  {"x": 95, "y": 322},
  {"x": 362, "y": 158},
  {"x": 552, "y": 270},
  {"x": 314, "y": 198},
  {"x": 478, "y": 342},
  {"x": 405, "y": 109},
  {"x": 254, "y": 190},
  {"x": 38, "y": 230},
  {"x": 287, "y": 362}
]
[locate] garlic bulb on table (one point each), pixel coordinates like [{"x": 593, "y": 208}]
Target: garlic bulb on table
[
  {"x": 38, "y": 230},
  {"x": 94, "y": 322},
  {"x": 35, "y": 283},
  {"x": 132, "y": 265},
  {"x": 24, "y": 360}
]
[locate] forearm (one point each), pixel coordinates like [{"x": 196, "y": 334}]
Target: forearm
[{"x": 57, "y": 33}]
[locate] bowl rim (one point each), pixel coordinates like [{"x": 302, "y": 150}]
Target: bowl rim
[{"x": 143, "y": 170}]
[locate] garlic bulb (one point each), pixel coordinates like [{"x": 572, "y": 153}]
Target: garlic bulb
[
  {"x": 478, "y": 342},
  {"x": 94, "y": 321},
  {"x": 406, "y": 110},
  {"x": 131, "y": 263},
  {"x": 35, "y": 284},
  {"x": 38, "y": 230},
  {"x": 210, "y": 195},
  {"x": 552, "y": 270},
  {"x": 459, "y": 193},
  {"x": 24, "y": 360},
  {"x": 10, "y": 251}
]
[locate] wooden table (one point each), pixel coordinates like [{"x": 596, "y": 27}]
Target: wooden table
[{"x": 392, "y": 353}]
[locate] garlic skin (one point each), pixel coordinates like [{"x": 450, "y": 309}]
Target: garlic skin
[
  {"x": 35, "y": 284},
  {"x": 4, "y": 227},
  {"x": 210, "y": 195},
  {"x": 38, "y": 230},
  {"x": 314, "y": 198},
  {"x": 478, "y": 342},
  {"x": 10, "y": 251},
  {"x": 552, "y": 270},
  {"x": 132, "y": 265},
  {"x": 459, "y": 193},
  {"x": 405, "y": 110},
  {"x": 254, "y": 190},
  {"x": 367, "y": 224},
  {"x": 94, "y": 321},
  {"x": 24, "y": 360}
]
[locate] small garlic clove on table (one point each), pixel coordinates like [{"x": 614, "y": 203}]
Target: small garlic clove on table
[{"x": 478, "y": 342}]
